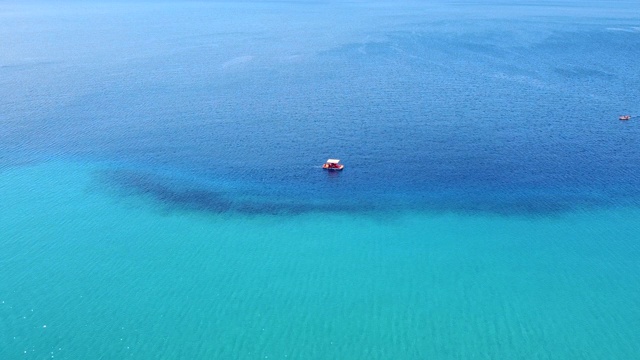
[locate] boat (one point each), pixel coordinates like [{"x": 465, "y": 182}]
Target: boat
[
  {"x": 625, "y": 117},
  {"x": 333, "y": 165}
]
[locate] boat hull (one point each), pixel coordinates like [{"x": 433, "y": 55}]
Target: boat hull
[{"x": 337, "y": 168}]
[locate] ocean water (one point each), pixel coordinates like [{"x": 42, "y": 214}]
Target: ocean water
[{"x": 161, "y": 190}]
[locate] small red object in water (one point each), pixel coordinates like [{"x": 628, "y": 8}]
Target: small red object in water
[{"x": 332, "y": 164}]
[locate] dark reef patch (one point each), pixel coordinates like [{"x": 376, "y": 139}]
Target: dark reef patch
[
  {"x": 189, "y": 195},
  {"x": 180, "y": 194}
]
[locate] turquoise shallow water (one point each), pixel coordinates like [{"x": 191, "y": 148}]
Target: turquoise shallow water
[{"x": 93, "y": 275}]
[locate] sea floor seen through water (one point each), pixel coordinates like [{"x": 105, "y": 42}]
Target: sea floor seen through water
[{"x": 122, "y": 277}]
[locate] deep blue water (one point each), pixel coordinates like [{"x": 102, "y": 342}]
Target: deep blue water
[{"x": 467, "y": 107}]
